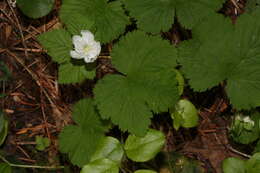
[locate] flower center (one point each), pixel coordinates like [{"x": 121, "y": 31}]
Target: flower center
[{"x": 86, "y": 48}]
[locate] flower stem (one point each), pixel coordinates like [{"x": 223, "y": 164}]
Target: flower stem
[{"x": 30, "y": 166}]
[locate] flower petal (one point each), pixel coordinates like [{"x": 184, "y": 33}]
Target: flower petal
[
  {"x": 75, "y": 55},
  {"x": 87, "y": 36}
]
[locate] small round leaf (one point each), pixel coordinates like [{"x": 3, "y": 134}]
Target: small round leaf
[
  {"x": 101, "y": 166},
  {"x": 185, "y": 114},
  {"x": 109, "y": 148},
  {"x": 35, "y": 8},
  {"x": 233, "y": 165},
  {"x": 253, "y": 164},
  {"x": 142, "y": 149}
]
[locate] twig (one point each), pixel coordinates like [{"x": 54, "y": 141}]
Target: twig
[{"x": 238, "y": 152}]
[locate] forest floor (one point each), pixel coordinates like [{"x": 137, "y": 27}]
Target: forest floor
[{"x": 36, "y": 105}]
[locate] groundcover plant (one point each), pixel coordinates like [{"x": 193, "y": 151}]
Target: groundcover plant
[{"x": 155, "y": 81}]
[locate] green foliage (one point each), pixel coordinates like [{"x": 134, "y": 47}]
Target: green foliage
[
  {"x": 155, "y": 16},
  {"x": 257, "y": 147},
  {"x": 230, "y": 53},
  {"x": 73, "y": 73},
  {"x": 109, "y": 148},
  {"x": 184, "y": 114},
  {"x": 58, "y": 44},
  {"x": 245, "y": 132},
  {"x": 181, "y": 81},
  {"x": 3, "y": 128},
  {"x": 142, "y": 149},
  {"x": 42, "y": 143},
  {"x": 145, "y": 171},
  {"x": 235, "y": 165},
  {"x": 149, "y": 82},
  {"x": 107, "y": 18},
  {"x": 35, "y": 8},
  {"x": 5, "y": 168},
  {"x": 101, "y": 166},
  {"x": 80, "y": 141}
]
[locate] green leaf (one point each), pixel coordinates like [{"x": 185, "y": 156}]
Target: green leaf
[
  {"x": 145, "y": 171},
  {"x": 35, "y": 8},
  {"x": 73, "y": 73},
  {"x": 220, "y": 51},
  {"x": 3, "y": 128},
  {"x": 109, "y": 20},
  {"x": 101, "y": 166},
  {"x": 58, "y": 44},
  {"x": 42, "y": 143},
  {"x": 233, "y": 165},
  {"x": 109, "y": 148},
  {"x": 5, "y": 168},
  {"x": 80, "y": 141},
  {"x": 148, "y": 84},
  {"x": 253, "y": 164},
  {"x": 243, "y": 135},
  {"x": 180, "y": 80},
  {"x": 257, "y": 147},
  {"x": 185, "y": 114},
  {"x": 158, "y": 15},
  {"x": 142, "y": 149}
]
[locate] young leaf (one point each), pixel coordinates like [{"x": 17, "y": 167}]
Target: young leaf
[
  {"x": 109, "y": 20},
  {"x": 36, "y": 8},
  {"x": 142, "y": 149},
  {"x": 109, "y": 148},
  {"x": 5, "y": 168},
  {"x": 243, "y": 135},
  {"x": 148, "y": 83},
  {"x": 185, "y": 114},
  {"x": 42, "y": 143},
  {"x": 58, "y": 44},
  {"x": 70, "y": 73},
  {"x": 80, "y": 141},
  {"x": 233, "y": 165},
  {"x": 220, "y": 51},
  {"x": 101, "y": 166},
  {"x": 155, "y": 16},
  {"x": 253, "y": 164}
]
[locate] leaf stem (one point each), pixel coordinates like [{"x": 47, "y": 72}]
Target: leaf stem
[{"x": 30, "y": 166}]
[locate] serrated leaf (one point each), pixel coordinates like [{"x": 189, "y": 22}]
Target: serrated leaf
[
  {"x": 72, "y": 73},
  {"x": 101, "y": 166},
  {"x": 148, "y": 84},
  {"x": 181, "y": 81},
  {"x": 220, "y": 51},
  {"x": 158, "y": 15},
  {"x": 36, "y": 8},
  {"x": 58, "y": 44},
  {"x": 80, "y": 141},
  {"x": 109, "y": 20},
  {"x": 233, "y": 165},
  {"x": 109, "y": 148},
  {"x": 142, "y": 149},
  {"x": 5, "y": 168}
]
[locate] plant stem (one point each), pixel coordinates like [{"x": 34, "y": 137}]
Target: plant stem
[{"x": 30, "y": 166}]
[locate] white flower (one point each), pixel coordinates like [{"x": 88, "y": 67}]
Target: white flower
[
  {"x": 85, "y": 47},
  {"x": 247, "y": 119}
]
